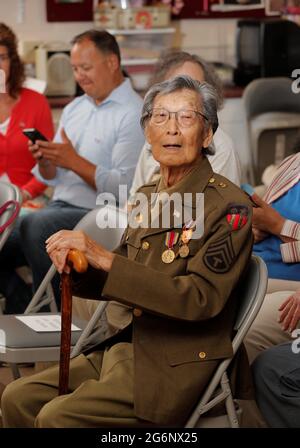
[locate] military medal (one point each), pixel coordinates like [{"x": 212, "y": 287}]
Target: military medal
[
  {"x": 185, "y": 238},
  {"x": 168, "y": 255},
  {"x": 186, "y": 235},
  {"x": 184, "y": 251}
]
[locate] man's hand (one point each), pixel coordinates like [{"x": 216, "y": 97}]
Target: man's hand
[
  {"x": 59, "y": 244},
  {"x": 35, "y": 150},
  {"x": 266, "y": 218},
  {"x": 290, "y": 312},
  {"x": 59, "y": 154}
]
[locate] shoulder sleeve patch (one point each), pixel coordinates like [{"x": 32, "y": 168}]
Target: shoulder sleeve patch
[
  {"x": 237, "y": 216},
  {"x": 219, "y": 255}
]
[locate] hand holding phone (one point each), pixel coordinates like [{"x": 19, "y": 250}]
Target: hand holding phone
[{"x": 34, "y": 135}]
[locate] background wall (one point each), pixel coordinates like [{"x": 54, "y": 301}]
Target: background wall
[{"x": 212, "y": 39}]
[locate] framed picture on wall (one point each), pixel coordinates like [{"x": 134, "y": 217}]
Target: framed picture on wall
[
  {"x": 237, "y": 5},
  {"x": 214, "y": 9},
  {"x": 274, "y": 7},
  {"x": 69, "y": 10},
  {"x": 277, "y": 7}
]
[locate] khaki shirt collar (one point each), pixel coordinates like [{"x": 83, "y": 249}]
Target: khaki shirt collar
[{"x": 194, "y": 182}]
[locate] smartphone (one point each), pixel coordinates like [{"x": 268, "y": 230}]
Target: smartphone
[
  {"x": 33, "y": 135},
  {"x": 248, "y": 189}
]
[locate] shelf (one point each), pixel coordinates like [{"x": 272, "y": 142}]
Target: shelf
[
  {"x": 130, "y": 62},
  {"x": 141, "y": 31}
]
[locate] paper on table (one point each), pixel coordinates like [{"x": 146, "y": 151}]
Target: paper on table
[{"x": 41, "y": 323}]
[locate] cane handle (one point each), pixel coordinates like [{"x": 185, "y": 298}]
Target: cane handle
[{"x": 78, "y": 260}]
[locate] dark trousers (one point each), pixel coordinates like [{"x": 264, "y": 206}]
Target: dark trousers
[
  {"x": 277, "y": 384},
  {"x": 26, "y": 246}
]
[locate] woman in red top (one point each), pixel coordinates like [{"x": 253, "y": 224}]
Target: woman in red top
[{"x": 19, "y": 108}]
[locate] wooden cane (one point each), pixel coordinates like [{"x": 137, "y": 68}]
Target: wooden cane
[{"x": 76, "y": 260}]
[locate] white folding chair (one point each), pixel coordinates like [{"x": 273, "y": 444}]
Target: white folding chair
[
  {"x": 251, "y": 292},
  {"x": 273, "y": 121},
  {"x": 18, "y": 342}
]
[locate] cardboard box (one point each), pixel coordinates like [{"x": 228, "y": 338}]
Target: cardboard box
[{"x": 132, "y": 18}]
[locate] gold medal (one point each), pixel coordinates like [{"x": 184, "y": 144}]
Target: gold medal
[
  {"x": 168, "y": 256},
  {"x": 184, "y": 251}
]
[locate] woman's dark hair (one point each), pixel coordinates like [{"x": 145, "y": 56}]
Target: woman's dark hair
[
  {"x": 16, "y": 77},
  {"x": 104, "y": 41}
]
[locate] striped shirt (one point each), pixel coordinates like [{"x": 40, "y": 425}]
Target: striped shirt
[{"x": 288, "y": 175}]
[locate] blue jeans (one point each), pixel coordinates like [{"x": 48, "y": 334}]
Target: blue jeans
[{"x": 26, "y": 246}]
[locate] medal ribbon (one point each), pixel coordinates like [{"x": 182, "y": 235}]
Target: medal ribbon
[{"x": 170, "y": 239}]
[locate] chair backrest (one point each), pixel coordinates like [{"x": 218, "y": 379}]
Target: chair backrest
[
  {"x": 272, "y": 113},
  {"x": 270, "y": 95},
  {"x": 7, "y": 192},
  {"x": 251, "y": 291},
  {"x": 105, "y": 225}
]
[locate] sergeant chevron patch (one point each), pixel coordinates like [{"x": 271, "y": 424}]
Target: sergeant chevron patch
[{"x": 219, "y": 255}]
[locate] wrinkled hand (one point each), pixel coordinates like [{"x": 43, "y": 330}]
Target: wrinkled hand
[
  {"x": 59, "y": 154},
  {"x": 59, "y": 244},
  {"x": 266, "y": 218},
  {"x": 258, "y": 234},
  {"x": 290, "y": 312}
]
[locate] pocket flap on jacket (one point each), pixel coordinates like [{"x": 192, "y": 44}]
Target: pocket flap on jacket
[{"x": 180, "y": 357}]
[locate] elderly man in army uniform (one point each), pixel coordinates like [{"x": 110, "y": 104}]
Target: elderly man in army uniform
[{"x": 170, "y": 291}]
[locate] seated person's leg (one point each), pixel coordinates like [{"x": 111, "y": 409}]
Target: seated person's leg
[
  {"x": 266, "y": 331},
  {"x": 102, "y": 390},
  {"x": 36, "y": 229},
  {"x": 23, "y": 399},
  {"x": 98, "y": 403},
  {"x": 17, "y": 293},
  {"x": 277, "y": 383},
  {"x": 278, "y": 284}
]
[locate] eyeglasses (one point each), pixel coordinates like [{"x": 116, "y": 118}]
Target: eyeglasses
[
  {"x": 184, "y": 117},
  {"x": 4, "y": 57}
]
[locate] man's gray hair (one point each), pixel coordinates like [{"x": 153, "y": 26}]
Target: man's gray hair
[
  {"x": 171, "y": 60},
  {"x": 207, "y": 96}
]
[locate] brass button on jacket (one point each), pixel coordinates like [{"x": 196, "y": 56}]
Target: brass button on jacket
[
  {"x": 145, "y": 245},
  {"x": 137, "y": 312},
  {"x": 202, "y": 355}
]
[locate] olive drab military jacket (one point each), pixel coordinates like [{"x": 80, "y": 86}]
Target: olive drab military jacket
[{"x": 179, "y": 291}]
